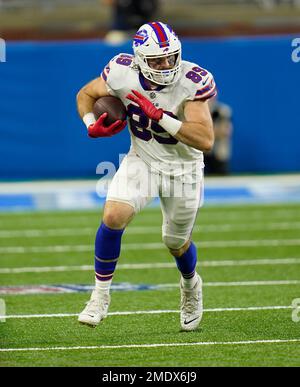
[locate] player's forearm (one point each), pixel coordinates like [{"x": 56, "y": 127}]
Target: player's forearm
[
  {"x": 85, "y": 103},
  {"x": 88, "y": 95},
  {"x": 197, "y": 135}
]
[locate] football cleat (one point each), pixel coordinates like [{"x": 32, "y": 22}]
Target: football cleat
[
  {"x": 96, "y": 309},
  {"x": 191, "y": 306}
]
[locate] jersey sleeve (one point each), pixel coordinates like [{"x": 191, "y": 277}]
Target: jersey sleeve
[
  {"x": 207, "y": 88},
  {"x": 199, "y": 82},
  {"x": 115, "y": 73}
]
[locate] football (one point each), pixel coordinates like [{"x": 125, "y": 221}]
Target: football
[{"x": 113, "y": 106}]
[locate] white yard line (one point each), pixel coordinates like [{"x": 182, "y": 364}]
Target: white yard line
[
  {"x": 153, "y": 265},
  {"x": 45, "y": 269},
  {"x": 61, "y": 232},
  {"x": 40, "y": 233},
  {"x": 147, "y": 213},
  {"x": 240, "y": 283},
  {"x": 254, "y": 283},
  {"x": 156, "y": 345},
  {"x": 149, "y": 246},
  {"x": 146, "y": 216},
  {"x": 128, "y": 313}
]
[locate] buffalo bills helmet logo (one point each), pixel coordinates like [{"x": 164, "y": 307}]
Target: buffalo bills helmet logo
[{"x": 140, "y": 38}]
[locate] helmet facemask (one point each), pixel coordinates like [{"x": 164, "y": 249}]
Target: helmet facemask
[{"x": 161, "y": 77}]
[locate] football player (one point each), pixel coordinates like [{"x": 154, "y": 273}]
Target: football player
[{"x": 170, "y": 127}]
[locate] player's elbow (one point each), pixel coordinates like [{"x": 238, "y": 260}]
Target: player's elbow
[
  {"x": 206, "y": 145},
  {"x": 82, "y": 102},
  {"x": 78, "y": 99},
  {"x": 203, "y": 144},
  {"x": 79, "y": 96},
  {"x": 207, "y": 142}
]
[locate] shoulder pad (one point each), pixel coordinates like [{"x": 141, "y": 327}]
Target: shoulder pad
[
  {"x": 198, "y": 82},
  {"x": 116, "y": 71}
]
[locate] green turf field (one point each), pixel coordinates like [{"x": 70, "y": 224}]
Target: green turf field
[{"x": 249, "y": 259}]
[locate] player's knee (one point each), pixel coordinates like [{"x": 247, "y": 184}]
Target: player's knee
[
  {"x": 179, "y": 252},
  {"x": 115, "y": 218},
  {"x": 176, "y": 245},
  {"x": 111, "y": 220}
]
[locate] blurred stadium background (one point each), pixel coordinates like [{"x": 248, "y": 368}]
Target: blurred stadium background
[
  {"x": 74, "y": 18},
  {"x": 50, "y": 49},
  {"x": 54, "y": 47}
]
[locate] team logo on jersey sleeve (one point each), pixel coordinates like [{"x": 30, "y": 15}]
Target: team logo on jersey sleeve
[{"x": 140, "y": 38}]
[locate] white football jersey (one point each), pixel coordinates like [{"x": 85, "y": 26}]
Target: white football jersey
[{"x": 149, "y": 140}]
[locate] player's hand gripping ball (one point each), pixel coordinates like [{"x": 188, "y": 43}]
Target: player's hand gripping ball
[
  {"x": 111, "y": 117},
  {"x": 147, "y": 106}
]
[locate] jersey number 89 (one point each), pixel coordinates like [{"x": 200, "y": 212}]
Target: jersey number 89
[
  {"x": 197, "y": 74},
  {"x": 141, "y": 127}
]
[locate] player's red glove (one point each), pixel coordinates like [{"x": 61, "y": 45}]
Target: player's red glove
[
  {"x": 148, "y": 108},
  {"x": 98, "y": 129}
]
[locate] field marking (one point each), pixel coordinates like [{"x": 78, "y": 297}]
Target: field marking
[
  {"x": 128, "y": 313},
  {"x": 57, "y": 232},
  {"x": 149, "y": 246},
  {"x": 230, "y": 213},
  {"x": 73, "y": 288},
  {"x": 153, "y": 265},
  {"x": 242, "y": 283},
  {"x": 156, "y": 345}
]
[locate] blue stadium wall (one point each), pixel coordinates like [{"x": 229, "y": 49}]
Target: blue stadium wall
[{"x": 41, "y": 135}]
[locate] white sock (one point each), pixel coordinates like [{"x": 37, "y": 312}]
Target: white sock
[
  {"x": 189, "y": 283},
  {"x": 102, "y": 286}
]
